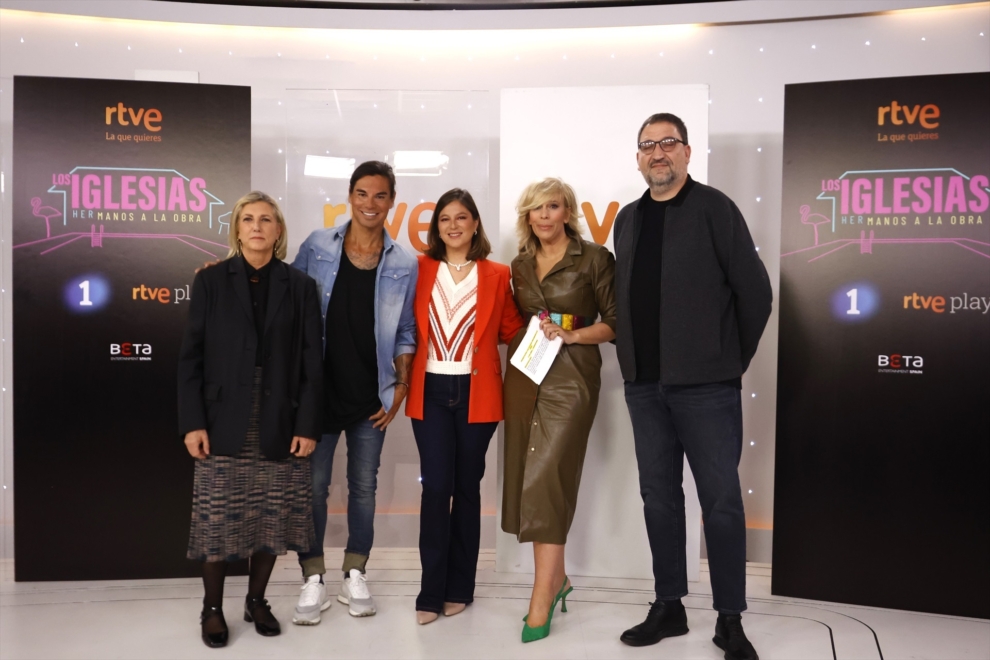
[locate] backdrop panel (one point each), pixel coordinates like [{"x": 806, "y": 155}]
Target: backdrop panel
[
  {"x": 883, "y": 423},
  {"x": 121, "y": 189},
  {"x": 435, "y": 141},
  {"x": 587, "y": 137}
]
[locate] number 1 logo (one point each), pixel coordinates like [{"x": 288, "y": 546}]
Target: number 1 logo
[
  {"x": 85, "y": 302},
  {"x": 853, "y": 294},
  {"x": 86, "y": 293},
  {"x": 855, "y": 302}
]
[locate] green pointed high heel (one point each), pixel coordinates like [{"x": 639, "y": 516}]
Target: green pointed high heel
[
  {"x": 563, "y": 595},
  {"x": 532, "y": 634}
]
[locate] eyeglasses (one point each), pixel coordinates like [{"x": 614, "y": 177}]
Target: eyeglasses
[{"x": 666, "y": 145}]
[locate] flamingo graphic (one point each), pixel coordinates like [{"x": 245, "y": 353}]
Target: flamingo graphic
[
  {"x": 45, "y": 212},
  {"x": 806, "y": 216}
]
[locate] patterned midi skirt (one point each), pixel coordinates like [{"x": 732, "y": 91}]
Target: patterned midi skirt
[{"x": 247, "y": 503}]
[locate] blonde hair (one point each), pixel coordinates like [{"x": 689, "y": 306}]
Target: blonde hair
[
  {"x": 281, "y": 243},
  {"x": 536, "y": 195}
]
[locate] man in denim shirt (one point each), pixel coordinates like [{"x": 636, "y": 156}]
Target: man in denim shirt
[{"x": 366, "y": 283}]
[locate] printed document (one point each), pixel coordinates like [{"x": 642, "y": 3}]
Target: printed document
[{"x": 536, "y": 353}]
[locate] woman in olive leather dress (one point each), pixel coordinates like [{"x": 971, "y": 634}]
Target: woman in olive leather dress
[{"x": 569, "y": 282}]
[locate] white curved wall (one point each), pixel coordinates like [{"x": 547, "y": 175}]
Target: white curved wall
[{"x": 738, "y": 49}]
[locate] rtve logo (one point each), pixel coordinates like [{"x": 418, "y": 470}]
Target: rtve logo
[
  {"x": 961, "y": 303},
  {"x": 163, "y": 294},
  {"x": 128, "y": 116},
  {"x": 934, "y": 303},
  {"x": 419, "y": 220},
  {"x": 924, "y": 114}
]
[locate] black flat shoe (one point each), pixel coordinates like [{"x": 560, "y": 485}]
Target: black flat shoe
[
  {"x": 664, "y": 620},
  {"x": 259, "y": 611},
  {"x": 729, "y": 637},
  {"x": 215, "y": 632}
]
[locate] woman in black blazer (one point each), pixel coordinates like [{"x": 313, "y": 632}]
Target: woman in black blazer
[{"x": 250, "y": 397}]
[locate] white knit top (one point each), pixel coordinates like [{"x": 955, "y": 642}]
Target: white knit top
[{"x": 452, "y": 314}]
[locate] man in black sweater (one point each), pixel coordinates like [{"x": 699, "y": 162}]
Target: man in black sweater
[{"x": 693, "y": 299}]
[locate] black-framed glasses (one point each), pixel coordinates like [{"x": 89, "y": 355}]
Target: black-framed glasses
[{"x": 646, "y": 147}]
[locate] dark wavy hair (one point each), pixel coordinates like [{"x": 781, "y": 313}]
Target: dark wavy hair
[
  {"x": 373, "y": 168},
  {"x": 435, "y": 247}
]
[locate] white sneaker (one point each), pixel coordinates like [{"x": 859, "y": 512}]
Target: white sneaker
[
  {"x": 354, "y": 593},
  {"x": 312, "y": 601}
]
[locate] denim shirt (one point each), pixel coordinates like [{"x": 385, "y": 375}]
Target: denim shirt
[{"x": 395, "y": 327}]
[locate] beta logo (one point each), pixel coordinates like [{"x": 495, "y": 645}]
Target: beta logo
[
  {"x": 130, "y": 352},
  {"x": 901, "y": 364}
]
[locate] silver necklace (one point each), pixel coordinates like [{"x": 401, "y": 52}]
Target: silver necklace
[{"x": 459, "y": 266}]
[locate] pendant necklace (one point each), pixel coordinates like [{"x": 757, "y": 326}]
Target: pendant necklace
[{"x": 459, "y": 266}]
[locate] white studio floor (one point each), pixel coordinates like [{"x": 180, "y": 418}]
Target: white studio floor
[{"x": 159, "y": 619}]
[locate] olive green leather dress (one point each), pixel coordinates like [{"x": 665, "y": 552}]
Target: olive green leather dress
[{"x": 547, "y": 426}]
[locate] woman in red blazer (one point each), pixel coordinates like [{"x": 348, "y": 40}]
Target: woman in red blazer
[{"x": 464, "y": 307}]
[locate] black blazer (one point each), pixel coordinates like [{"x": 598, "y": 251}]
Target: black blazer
[
  {"x": 715, "y": 294},
  {"x": 218, "y": 355}
]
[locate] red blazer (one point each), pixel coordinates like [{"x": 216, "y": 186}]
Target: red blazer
[{"x": 496, "y": 319}]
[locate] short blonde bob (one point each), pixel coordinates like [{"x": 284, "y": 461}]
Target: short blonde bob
[
  {"x": 281, "y": 244},
  {"x": 536, "y": 195}
]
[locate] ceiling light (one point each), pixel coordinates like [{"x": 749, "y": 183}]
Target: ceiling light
[
  {"x": 329, "y": 167},
  {"x": 419, "y": 163}
]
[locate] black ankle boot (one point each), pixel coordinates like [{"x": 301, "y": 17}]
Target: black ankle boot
[
  {"x": 666, "y": 619},
  {"x": 729, "y": 637},
  {"x": 259, "y": 611},
  {"x": 216, "y": 637}
]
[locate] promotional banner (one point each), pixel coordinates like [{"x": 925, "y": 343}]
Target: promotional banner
[
  {"x": 121, "y": 190},
  {"x": 883, "y": 422},
  {"x": 590, "y": 141}
]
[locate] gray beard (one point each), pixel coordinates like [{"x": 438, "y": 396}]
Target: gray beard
[{"x": 660, "y": 184}]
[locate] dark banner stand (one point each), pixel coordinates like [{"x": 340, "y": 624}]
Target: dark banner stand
[
  {"x": 883, "y": 391},
  {"x": 121, "y": 189}
]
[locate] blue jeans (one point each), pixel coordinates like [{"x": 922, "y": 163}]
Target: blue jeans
[
  {"x": 364, "y": 453},
  {"x": 705, "y": 423},
  {"x": 452, "y": 463}
]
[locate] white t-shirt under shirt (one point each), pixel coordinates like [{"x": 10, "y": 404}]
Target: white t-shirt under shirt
[{"x": 452, "y": 315}]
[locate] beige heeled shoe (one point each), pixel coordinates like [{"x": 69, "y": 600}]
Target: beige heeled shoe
[
  {"x": 423, "y": 618},
  {"x": 451, "y": 609}
]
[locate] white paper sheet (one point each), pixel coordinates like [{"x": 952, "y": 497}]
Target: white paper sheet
[{"x": 535, "y": 353}]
